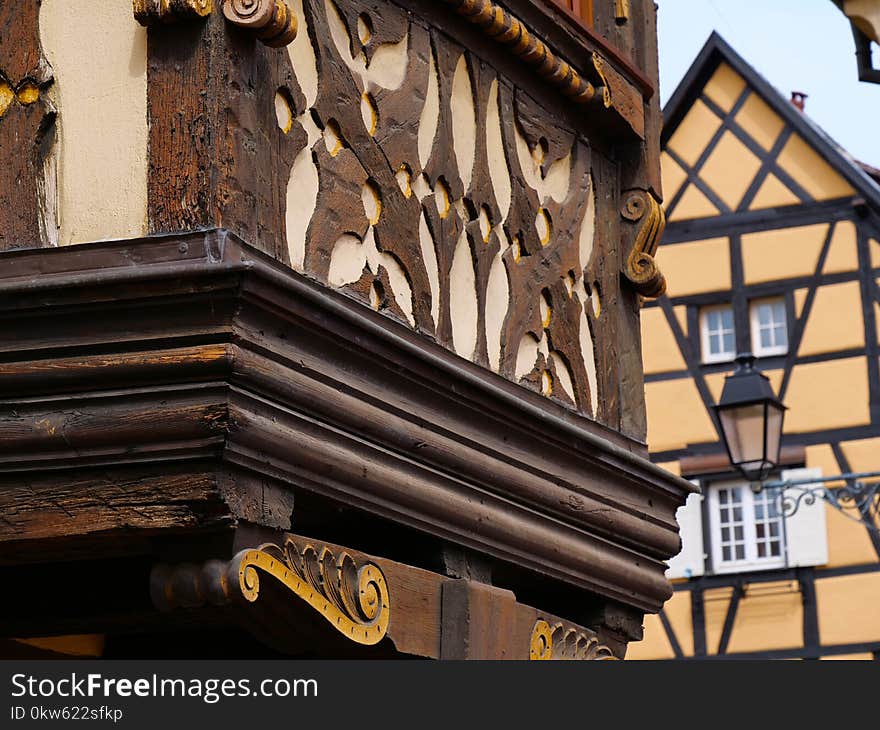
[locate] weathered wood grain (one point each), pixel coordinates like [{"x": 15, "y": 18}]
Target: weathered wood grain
[{"x": 27, "y": 125}]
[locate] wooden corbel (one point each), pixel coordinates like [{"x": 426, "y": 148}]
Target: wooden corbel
[
  {"x": 152, "y": 12},
  {"x": 272, "y": 21},
  {"x": 563, "y": 641},
  {"x": 643, "y": 225},
  {"x": 352, "y": 598}
]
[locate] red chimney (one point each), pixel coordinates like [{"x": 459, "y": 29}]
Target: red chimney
[{"x": 798, "y": 98}]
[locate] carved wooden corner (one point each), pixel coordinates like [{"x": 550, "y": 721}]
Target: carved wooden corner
[
  {"x": 352, "y": 598},
  {"x": 643, "y": 225},
  {"x": 271, "y": 21}
]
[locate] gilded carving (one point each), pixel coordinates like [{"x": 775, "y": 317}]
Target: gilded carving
[
  {"x": 644, "y": 224},
  {"x": 151, "y": 12},
  {"x": 565, "y": 642},
  {"x": 353, "y": 598},
  {"x": 272, "y": 21}
]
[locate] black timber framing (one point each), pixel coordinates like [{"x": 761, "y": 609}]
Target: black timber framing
[
  {"x": 765, "y": 219},
  {"x": 716, "y": 51},
  {"x": 845, "y": 467},
  {"x": 670, "y": 635},
  {"x": 806, "y": 580}
]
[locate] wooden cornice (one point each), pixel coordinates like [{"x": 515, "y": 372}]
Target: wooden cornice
[
  {"x": 583, "y": 67},
  {"x": 179, "y": 349}
]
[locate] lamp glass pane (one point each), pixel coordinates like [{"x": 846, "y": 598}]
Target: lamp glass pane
[
  {"x": 743, "y": 428},
  {"x": 774, "y": 432}
]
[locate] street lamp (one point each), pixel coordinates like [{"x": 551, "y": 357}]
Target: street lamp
[{"x": 751, "y": 416}]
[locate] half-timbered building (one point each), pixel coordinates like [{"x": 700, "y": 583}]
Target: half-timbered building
[
  {"x": 773, "y": 248},
  {"x": 319, "y": 328}
]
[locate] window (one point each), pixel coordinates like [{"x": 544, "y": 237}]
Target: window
[
  {"x": 747, "y": 529},
  {"x": 769, "y": 327},
  {"x": 717, "y": 334}
]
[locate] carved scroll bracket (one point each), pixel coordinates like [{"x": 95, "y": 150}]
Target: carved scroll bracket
[
  {"x": 563, "y": 642},
  {"x": 644, "y": 222},
  {"x": 352, "y": 598},
  {"x": 272, "y": 21},
  {"x": 152, "y": 12}
]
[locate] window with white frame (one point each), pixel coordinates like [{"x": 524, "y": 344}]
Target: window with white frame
[
  {"x": 717, "y": 334},
  {"x": 769, "y": 327},
  {"x": 745, "y": 530}
]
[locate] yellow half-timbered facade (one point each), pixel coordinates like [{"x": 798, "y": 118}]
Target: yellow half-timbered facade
[{"x": 772, "y": 247}]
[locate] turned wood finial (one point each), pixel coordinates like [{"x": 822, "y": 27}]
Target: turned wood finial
[{"x": 272, "y": 21}]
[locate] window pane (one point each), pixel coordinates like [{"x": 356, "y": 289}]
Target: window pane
[
  {"x": 729, "y": 342},
  {"x": 740, "y": 552},
  {"x": 762, "y": 550},
  {"x": 778, "y": 312},
  {"x": 722, "y": 496},
  {"x": 727, "y": 318},
  {"x": 725, "y": 553},
  {"x": 780, "y": 334},
  {"x": 774, "y": 529},
  {"x": 765, "y": 314},
  {"x": 759, "y": 512},
  {"x": 714, "y": 344},
  {"x": 713, "y": 320},
  {"x": 737, "y": 514},
  {"x": 775, "y": 549},
  {"x": 759, "y": 530},
  {"x": 766, "y": 339},
  {"x": 738, "y": 533}
]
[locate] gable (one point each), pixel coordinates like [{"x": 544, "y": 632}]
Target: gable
[{"x": 731, "y": 151}]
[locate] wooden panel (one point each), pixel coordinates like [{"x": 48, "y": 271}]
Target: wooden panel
[{"x": 27, "y": 122}]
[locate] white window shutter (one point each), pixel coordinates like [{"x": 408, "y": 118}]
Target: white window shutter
[
  {"x": 805, "y": 533},
  {"x": 690, "y": 562}
]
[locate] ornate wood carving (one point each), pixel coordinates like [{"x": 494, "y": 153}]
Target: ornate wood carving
[
  {"x": 272, "y": 21},
  {"x": 644, "y": 224},
  {"x": 151, "y": 12},
  {"x": 448, "y": 198},
  {"x": 27, "y": 123},
  {"x": 352, "y": 597},
  {"x": 506, "y": 29},
  {"x": 566, "y": 642}
]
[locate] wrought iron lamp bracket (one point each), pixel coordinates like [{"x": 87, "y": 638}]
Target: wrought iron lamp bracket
[{"x": 857, "y": 500}]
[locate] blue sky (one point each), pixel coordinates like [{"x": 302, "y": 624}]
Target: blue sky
[{"x": 797, "y": 45}]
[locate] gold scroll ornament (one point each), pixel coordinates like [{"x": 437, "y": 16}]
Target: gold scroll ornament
[
  {"x": 648, "y": 219},
  {"x": 565, "y": 643},
  {"x": 352, "y": 598}
]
